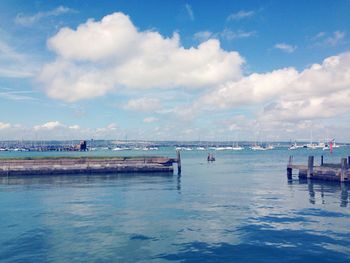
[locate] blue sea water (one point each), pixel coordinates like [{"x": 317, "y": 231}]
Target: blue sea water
[{"x": 240, "y": 208}]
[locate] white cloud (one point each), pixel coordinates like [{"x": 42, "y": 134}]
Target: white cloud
[
  {"x": 14, "y": 64},
  {"x": 55, "y": 130},
  {"x": 189, "y": 11},
  {"x": 335, "y": 38},
  {"x": 24, "y": 20},
  {"x": 326, "y": 39},
  {"x": 202, "y": 36},
  {"x": 115, "y": 54},
  {"x": 16, "y": 95},
  {"x": 150, "y": 119},
  {"x": 240, "y": 15},
  {"x": 285, "y": 47},
  {"x": 51, "y": 125},
  {"x": 143, "y": 105},
  {"x": 226, "y": 34},
  {"x": 74, "y": 127},
  {"x": 230, "y": 35},
  {"x": 320, "y": 91},
  {"x": 4, "y": 125}
]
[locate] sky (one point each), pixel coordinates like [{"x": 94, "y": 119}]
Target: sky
[{"x": 175, "y": 70}]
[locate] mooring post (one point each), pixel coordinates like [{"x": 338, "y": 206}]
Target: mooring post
[
  {"x": 178, "y": 162},
  {"x": 289, "y": 173},
  {"x": 344, "y": 168},
  {"x": 289, "y": 169},
  {"x": 310, "y": 167},
  {"x": 348, "y": 159},
  {"x": 321, "y": 160}
]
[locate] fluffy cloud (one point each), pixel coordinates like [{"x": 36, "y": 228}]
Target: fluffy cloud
[
  {"x": 320, "y": 91},
  {"x": 55, "y": 130},
  {"x": 51, "y": 125},
  {"x": 143, "y": 105},
  {"x": 4, "y": 125},
  {"x": 100, "y": 56}
]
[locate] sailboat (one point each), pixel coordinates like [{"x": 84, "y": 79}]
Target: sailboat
[
  {"x": 237, "y": 147},
  {"x": 257, "y": 147}
]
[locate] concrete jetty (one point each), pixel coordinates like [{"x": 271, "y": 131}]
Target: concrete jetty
[
  {"x": 339, "y": 172},
  {"x": 87, "y": 165}
]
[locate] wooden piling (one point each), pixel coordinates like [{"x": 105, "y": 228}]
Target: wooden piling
[
  {"x": 289, "y": 169},
  {"x": 310, "y": 167},
  {"x": 178, "y": 162},
  {"x": 321, "y": 160},
  {"x": 289, "y": 173},
  {"x": 344, "y": 167}
]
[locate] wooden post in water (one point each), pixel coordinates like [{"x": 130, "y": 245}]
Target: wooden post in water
[
  {"x": 289, "y": 173},
  {"x": 344, "y": 168},
  {"x": 321, "y": 160},
  {"x": 310, "y": 167},
  {"x": 178, "y": 162},
  {"x": 289, "y": 169},
  {"x": 349, "y": 160}
]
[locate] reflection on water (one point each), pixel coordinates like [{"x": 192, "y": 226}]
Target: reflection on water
[
  {"x": 324, "y": 189},
  {"x": 240, "y": 208}
]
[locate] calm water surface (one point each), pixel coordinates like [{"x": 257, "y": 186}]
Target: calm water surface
[{"x": 239, "y": 209}]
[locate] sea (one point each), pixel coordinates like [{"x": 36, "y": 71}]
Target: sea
[{"x": 240, "y": 208}]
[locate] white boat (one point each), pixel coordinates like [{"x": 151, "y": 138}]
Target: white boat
[
  {"x": 153, "y": 148},
  {"x": 237, "y": 147},
  {"x": 200, "y": 148},
  {"x": 269, "y": 147},
  {"x": 295, "y": 146},
  {"x": 257, "y": 148},
  {"x": 117, "y": 149},
  {"x": 311, "y": 146},
  {"x": 121, "y": 149},
  {"x": 220, "y": 148}
]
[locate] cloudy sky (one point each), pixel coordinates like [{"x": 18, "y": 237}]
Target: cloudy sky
[{"x": 175, "y": 70}]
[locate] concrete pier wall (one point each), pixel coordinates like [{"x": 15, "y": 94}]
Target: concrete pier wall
[{"x": 51, "y": 166}]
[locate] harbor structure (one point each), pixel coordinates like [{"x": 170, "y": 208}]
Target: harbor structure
[
  {"x": 339, "y": 172},
  {"x": 87, "y": 165}
]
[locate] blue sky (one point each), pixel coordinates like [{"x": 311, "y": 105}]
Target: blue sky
[{"x": 183, "y": 70}]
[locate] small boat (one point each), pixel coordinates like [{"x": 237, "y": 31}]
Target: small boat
[
  {"x": 200, "y": 148},
  {"x": 269, "y": 147},
  {"x": 295, "y": 146},
  {"x": 257, "y": 148},
  {"x": 237, "y": 147}
]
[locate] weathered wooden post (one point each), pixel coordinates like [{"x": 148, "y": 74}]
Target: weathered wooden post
[
  {"x": 310, "y": 167},
  {"x": 289, "y": 169},
  {"x": 344, "y": 168},
  {"x": 321, "y": 160},
  {"x": 178, "y": 162},
  {"x": 348, "y": 159}
]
